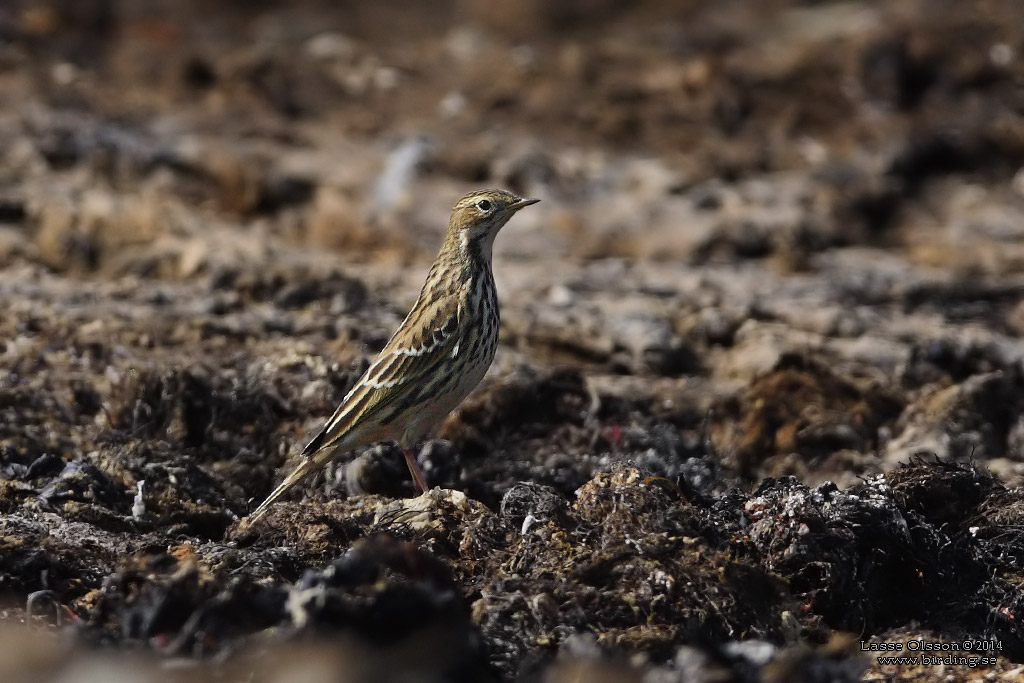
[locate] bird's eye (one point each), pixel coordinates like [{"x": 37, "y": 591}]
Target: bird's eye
[{"x": 483, "y": 205}]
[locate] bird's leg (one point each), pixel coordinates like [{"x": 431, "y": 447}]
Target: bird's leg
[{"x": 418, "y": 478}]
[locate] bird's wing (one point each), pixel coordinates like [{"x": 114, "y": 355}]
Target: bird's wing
[
  {"x": 407, "y": 369},
  {"x": 404, "y": 370}
]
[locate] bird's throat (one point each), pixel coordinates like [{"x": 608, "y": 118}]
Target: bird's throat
[{"x": 476, "y": 249}]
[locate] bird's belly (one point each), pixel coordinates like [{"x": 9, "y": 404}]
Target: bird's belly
[{"x": 446, "y": 398}]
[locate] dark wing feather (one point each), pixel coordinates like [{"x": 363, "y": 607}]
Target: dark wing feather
[{"x": 426, "y": 339}]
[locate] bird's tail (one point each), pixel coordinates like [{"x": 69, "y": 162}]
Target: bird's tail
[{"x": 306, "y": 467}]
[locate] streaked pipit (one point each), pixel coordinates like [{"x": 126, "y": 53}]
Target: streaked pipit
[{"x": 438, "y": 355}]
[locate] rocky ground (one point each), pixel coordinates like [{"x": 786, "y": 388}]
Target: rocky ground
[{"x": 758, "y": 403}]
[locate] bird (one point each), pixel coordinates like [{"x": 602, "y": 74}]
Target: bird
[{"x": 434, "y": 360}]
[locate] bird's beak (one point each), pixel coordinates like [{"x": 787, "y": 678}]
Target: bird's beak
[{"x": 516, "y": 205}]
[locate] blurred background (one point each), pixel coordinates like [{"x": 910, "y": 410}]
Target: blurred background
[{"x": 353, "y": 126}]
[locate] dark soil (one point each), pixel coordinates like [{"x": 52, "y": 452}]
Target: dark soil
[{"x": 759, "y": 402}]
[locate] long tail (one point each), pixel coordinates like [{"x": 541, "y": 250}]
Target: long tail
[{"x": 305, "y": 468}]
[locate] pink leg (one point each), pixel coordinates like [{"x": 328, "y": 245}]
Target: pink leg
[{"x": 418, "y": 477}]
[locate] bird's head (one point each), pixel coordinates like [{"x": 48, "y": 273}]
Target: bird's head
[{"x": 477, "y": 218}]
